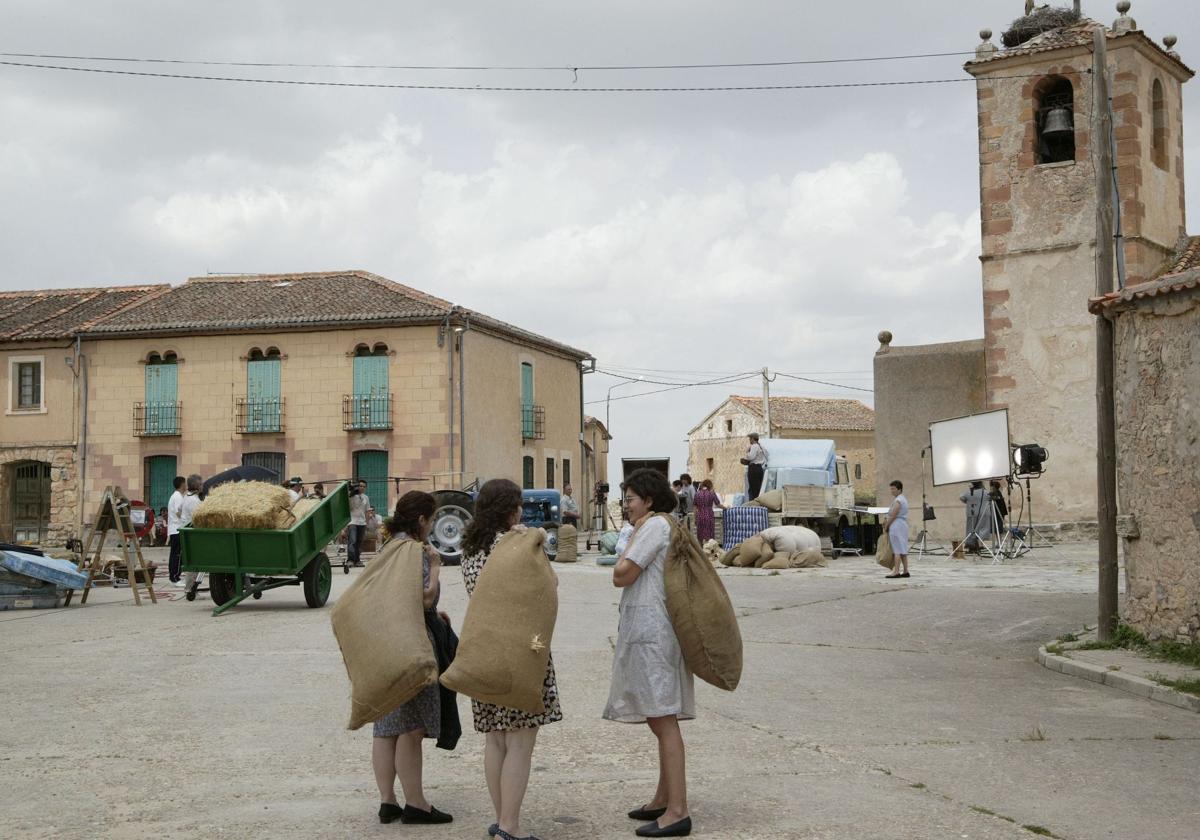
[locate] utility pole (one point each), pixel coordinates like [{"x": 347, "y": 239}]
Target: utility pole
[
  {"x": 767, "y": 400},
  {"x": 1106, "y": 422}
]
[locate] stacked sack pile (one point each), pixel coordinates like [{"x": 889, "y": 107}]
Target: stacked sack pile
[
  {"x": 782, "y": 547},
  {"x": 568, "y": 544}
]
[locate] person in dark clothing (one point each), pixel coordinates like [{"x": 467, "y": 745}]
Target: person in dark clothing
[
  {"x": 174, "y": 515},
  {"x": 755, "y": 462},
  {"x": 997, "y": 498}
]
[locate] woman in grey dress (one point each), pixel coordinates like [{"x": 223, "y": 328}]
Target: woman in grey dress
[
  {"x": 897, "y": 530},
  {"x": 396, "y": 747},
  {"x": 650, "y": 682}
]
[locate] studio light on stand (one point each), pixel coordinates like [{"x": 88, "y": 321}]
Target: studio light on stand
[
  {"x": 973, "y": 448},
  {"x": 1028, "y": 462}
]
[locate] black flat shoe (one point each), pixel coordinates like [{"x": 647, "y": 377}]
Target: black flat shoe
[
  {"x": 906, "y": 574},
  {"x": 389, "y": 813},
  {"x": 433, "y": 816},
  {"x": 889, "y": 577},
  {"x": 646, "y": 814},
  {"x": 680, "y": 829}
]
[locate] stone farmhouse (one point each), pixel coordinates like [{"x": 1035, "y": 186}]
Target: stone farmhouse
[
  {"x": 717, "y": 442},
  {"x": 326, "y": 376}
]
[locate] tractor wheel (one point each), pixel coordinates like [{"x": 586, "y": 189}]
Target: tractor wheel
[{"x": 317, "y": 578}]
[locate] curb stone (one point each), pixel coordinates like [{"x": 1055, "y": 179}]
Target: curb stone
[{"x": 1130, "y": 683}]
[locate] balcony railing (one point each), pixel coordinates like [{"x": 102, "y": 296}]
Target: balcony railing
[
  {"x": 533, "y": 422},
  {"x": 361, "y": 413},
  {"x": 157, "y": 419},
  {"x": 258, "y": 417}
]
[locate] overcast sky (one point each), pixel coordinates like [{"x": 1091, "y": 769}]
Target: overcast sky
[{"x": 686, "y": 234}]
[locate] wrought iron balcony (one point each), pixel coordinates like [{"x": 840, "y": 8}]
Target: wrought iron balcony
[
  {"x": 157, "y": 419},
  {"x": 259, "y": 417},
  {"x": 362, "y": 413},
  {"x": 533, "y": 422}
]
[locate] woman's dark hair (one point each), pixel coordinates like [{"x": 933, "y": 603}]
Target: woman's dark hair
[
  {"x": 496, "y": 502},
  {"x": 412, "y": 506},
  {"x": 898, "y": 484},
  {"x": 179, "y": 482},
  {"x": 706, "y": 484},
  {"x": 652, "y": 485}
]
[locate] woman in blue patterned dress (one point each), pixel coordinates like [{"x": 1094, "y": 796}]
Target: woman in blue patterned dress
[{"x": 396, "y": 747}]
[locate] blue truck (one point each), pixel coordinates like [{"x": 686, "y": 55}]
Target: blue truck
[{"x": 456, "y": 508}]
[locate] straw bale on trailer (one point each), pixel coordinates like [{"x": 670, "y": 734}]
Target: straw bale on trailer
[{"x": 245, "y": 504}]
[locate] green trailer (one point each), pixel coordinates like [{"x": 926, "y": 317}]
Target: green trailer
[{"x": 243, "y": 563}]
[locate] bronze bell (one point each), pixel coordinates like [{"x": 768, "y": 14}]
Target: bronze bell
[{"x": 1058, "y": 123}]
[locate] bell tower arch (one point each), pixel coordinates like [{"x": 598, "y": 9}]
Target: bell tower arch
[{"x": 1038, "y": 209}]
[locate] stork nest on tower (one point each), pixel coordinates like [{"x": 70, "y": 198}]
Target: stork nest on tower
[{"x": 1045, "y": 19}]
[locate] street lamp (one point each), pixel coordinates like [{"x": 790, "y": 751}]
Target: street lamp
[{"x": 608, "y": 401}]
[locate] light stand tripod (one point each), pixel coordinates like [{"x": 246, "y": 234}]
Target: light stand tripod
[
  {"x": 921, "y": 546},
  {"x": 975, "y": 519},
  {"x": 600, "y": 518}
]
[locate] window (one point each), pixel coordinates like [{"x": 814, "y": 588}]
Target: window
[
  {"x": 858, "y": 470},
  {"x": 728, "y": 425},
  {"x": 162, "y": 407},
  {"x": 263, "y": 407},
  {"x": 276, "y": 462},
  {"x": 371, "y": 405},
  {"x": 1055, "y": 120},
  {"x": 549, "y": 473},
  {"x": 28, "y": 385},
  {"x": 527, "y": 412},
  {"x": 372, "y": 467},
  {"x": 566, "y": 471},
  {"x": 708, "y": 465},
  {"x": 527, "y": 472},
  {"x": 1159, "y": 153}
]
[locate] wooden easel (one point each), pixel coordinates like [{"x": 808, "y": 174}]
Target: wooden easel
[{"x": 114, "y": 514}]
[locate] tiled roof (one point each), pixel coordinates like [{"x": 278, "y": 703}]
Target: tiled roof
[
  {"x": 334, "y": 299},
  {"x": 814, "y": 413},
  {"x": 1180, "y": 274},
  {"x": 1078, "y": 35},
  {"x": 61, "y": 313}
]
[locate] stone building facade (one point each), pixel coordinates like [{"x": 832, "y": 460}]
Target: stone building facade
[
  {"x": 1038, "y": 210},
  {"x": 718, "y": 442},
  {"x": 40, "y": 365},
  {"x": 1157, "y": 378}
]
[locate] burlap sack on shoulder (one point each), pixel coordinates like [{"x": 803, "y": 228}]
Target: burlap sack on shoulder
[
  {"x": 379, "y": 622},
  {"x": 883, "y": 551},
  {"x": 568, "y": 544},
  {"x": 701, "y": 612},
  {"x": 504, "y": 646}
]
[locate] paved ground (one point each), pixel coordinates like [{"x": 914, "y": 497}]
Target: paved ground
[{"x": 868, "y": 709}]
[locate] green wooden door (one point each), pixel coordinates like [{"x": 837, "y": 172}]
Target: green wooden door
[
  {"x": 527, "y": 424},
  {"x": 263, "y": 409},
  {"x": 527, "y": 472},
  {"x": 372, "y": 467},
  {"x": 371, "y": 403},
  {"x": 30, "y": 509},
  {"x": 162, "y": 416},
  {"x": 160, "y": 480}
]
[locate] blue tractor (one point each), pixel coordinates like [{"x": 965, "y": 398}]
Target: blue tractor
[{"x": 456, "y": 508}]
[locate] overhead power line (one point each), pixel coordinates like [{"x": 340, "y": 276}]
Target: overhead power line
[
  {"x": 676, "y": 387},
  {"x": 570, "y": 68},
  {"x": 503, "y": 88},
  {"x": 830, "y": 384}
]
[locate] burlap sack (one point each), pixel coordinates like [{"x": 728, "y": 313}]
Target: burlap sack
[
  {"x": 765, "y": 556},
  {"x": 791, "y": 538},
  {"x": 883, "y": 552},
  {"x": 505, "y": 641},
  {"x": 780, "y": 560},
  {"x": 730, "y": 557},
  {"x": 712, "y": 550},
  {"x": 772, "y": 500},
  {"x": 807, "y": 558},
  {"x": 749, "y": 552},
  {"x": 568, "y": 544},
  {"x": 379, "y": 622},
  {"x": 701, "y": 612}
]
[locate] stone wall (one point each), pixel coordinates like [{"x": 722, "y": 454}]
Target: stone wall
[
  {"x": 915, "y": 386},
  {"x": 1158, "y": 435}
]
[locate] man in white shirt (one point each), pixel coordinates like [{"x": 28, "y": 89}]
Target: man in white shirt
[
  {"x": 296, "y": 489},
  {"x": 755, "y": 461},
  {"x": 174, "y": 512},
  {"x": 569, "y": 507},
  {"x": 186, "y": 510},
  {"x": 360, "y": 503}
]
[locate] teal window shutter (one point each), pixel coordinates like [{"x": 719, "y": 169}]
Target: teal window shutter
[
  {"x": 263, "y": 410},
  {"x": 371, "y": 409},
  {"x": 527, "y": 423},
  {"x": 161, "y": 401},
  {"x": 372, "y": 467}
]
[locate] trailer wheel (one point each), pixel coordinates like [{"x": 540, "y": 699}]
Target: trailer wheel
[
  {"x": 318, "y": 578},
  {"x": 221, "y": 586}
]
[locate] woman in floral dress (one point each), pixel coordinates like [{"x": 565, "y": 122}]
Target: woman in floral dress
[
  {"x": 706, "y": 520},
  {"x": 396, "y": 747},
  {"x": 511, "y": 734}
]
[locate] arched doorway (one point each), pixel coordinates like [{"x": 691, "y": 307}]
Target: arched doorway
[{"x": 29, "y": 501}]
